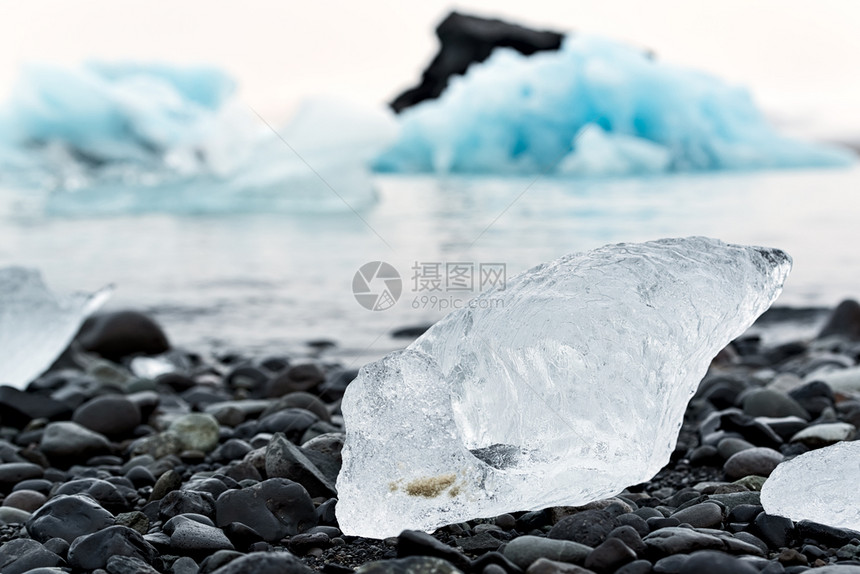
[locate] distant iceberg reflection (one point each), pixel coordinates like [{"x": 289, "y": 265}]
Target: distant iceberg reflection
[{"x": 593, "y": 108}]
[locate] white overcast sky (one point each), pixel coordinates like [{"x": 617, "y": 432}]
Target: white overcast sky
[{"x": 798, "y": 56}]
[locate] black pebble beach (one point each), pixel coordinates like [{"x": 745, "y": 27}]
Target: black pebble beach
[{"x": 229, "y": 466}]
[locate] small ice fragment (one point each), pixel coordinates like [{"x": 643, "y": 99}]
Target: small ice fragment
[
  {"x": 563, "y": 388},
  {"x": 151, "y": 367},
  {"x": 35, "y": 324},
  {"x": 820, "y": 485}
]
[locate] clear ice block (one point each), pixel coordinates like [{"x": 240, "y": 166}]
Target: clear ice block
[{"x": 563, "y": 388}]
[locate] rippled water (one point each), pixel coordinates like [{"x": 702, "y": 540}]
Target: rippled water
[{"x": 270, "y": 282}]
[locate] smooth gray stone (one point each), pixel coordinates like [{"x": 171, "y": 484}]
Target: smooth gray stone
[
  {"x": 524, "y": 550},
  {"x": 677, "y": 540}
]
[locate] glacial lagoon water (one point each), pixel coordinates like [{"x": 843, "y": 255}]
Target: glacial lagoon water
[{"x": 270, "y": 282}]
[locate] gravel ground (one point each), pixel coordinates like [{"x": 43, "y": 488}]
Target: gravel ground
[{"x": 228, "y": 465}]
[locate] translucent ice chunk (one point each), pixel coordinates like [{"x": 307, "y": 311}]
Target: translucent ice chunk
[
  {"x": 820, "y": 485},
  {"x": 565, "y": 387},
  {"x": 35, "y": 324}
]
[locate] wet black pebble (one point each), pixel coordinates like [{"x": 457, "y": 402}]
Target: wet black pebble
[
  {"x": 589, "y": 527},
  {"x": 18, "y": 556},
  {"x": 121, "y": 334},
  {"x": 93, "y": 551},
  {"x": 110, "y": 415},
  {"x": 274, "y": 508},
  {"x": 68, "y": 517},
  {"x": 710, "y": 562},
  {"x": 610, "y": 555},
  {"x": 179, "y": 502},
  {"x": 265, "y": 563},
  {"x": 414, "y": 543}
]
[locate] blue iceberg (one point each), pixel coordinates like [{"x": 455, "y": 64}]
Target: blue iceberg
[
  {"x": 593, "y": 108},
  {"x": 110, "y": 112},
  {"x": 106, "y": 139}
]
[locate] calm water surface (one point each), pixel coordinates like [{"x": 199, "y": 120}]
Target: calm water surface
[{"x": 270, "y": 282}]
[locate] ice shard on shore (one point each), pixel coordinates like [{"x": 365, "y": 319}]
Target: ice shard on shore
[
  {"x": 820, "y": 485},
  {"x": 569, "y": 387},
  {"x": 35, "y": 324}
]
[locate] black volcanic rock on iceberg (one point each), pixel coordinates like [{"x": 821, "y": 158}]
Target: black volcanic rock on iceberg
[{"x": 467, "y": 39}]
